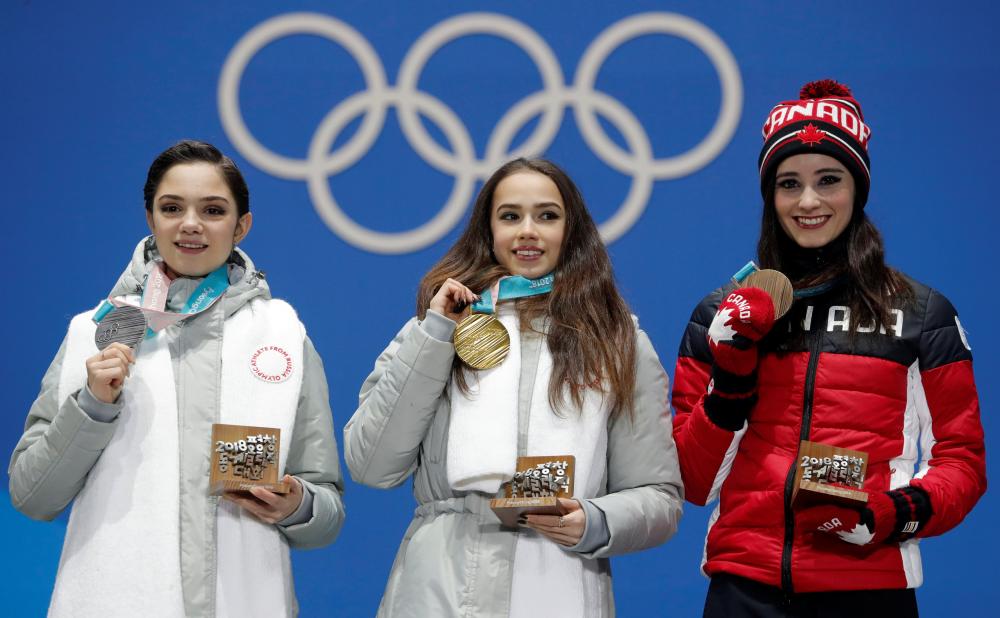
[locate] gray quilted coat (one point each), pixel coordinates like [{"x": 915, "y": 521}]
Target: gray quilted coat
[
  {"x": 61, "y": 442},
  {"x": 455, "y": 558}
]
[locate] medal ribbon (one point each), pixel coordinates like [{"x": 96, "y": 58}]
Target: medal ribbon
[
  {"x": 751, "y": 267},
  {"x": 816, "y": 290},
  {"x": 507, "y": 288},
  {"x": 154, "y": 298}
]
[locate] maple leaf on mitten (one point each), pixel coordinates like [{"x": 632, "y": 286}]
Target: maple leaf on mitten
[
  {"x": 743, "y": 318},
  {"x": 872, "y": 523}
]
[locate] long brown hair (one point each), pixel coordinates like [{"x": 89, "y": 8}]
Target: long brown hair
[
  {"x": 873, "y": 287},
  {"x": 591, "y": 334}
]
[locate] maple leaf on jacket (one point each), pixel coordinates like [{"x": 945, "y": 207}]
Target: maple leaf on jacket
[{"x": 811, "y": 135}]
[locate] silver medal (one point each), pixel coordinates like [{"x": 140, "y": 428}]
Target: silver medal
[{"x": 123, "y": 324}]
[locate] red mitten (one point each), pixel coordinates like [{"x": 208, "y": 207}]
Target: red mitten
[
  {"x": 898, "y": 514},
  {"x": 743, "y": 318}
]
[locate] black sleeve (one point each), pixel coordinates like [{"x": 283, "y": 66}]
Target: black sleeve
[
  {"x": 942, "y": 338},
  {"x": 694, "y": 343}
]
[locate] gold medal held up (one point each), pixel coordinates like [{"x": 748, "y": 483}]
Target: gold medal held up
[{"x": 481, "y": 341}]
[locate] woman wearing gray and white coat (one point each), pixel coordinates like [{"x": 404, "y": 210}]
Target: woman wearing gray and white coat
[
  {"x": 125, "y": 435},
  {"x": 580, "y": 378}
]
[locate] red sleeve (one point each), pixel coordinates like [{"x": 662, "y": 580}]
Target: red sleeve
[
  {"x": 702, "y": 445},
  {"x": 954, "y": 473}
]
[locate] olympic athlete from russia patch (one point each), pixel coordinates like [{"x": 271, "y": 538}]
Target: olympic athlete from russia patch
[{"x": 271, "y": 364}]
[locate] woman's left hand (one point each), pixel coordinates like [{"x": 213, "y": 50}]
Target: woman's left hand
[
  {"x": 565, "y": 530},
  {"x": 266, "y": 505}
]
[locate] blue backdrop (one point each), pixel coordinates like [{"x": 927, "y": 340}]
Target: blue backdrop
[{"x": 352, "y": 206}]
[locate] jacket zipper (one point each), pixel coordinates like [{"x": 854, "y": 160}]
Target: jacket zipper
[{"x": 807, "y": 402}]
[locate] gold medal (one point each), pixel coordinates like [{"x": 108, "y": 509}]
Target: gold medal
[
  {"x": 481, "y": 341},
  {"x": 777, "y": 286}
]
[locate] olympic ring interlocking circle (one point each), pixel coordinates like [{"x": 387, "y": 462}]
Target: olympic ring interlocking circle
[{"x": 461, "y": 161}]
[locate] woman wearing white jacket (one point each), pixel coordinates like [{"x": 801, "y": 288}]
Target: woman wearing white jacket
[
  {"x": 580, "y": 379},
  {"x": 125, "y": 435}
]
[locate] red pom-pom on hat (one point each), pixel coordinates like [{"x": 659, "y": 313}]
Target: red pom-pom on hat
[{"x": 824, "y": 88}]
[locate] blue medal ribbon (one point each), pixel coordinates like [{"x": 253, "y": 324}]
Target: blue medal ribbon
[
  {"x": 513, "y": 287},
  {"x": 816, "y": 290},
  {"x": 211, "y": 288},
  {"x": 208, "y": 291},
  {"x": 204, "y": 296},
  {"x": 751, "y": 267},
  {"x": 741, "y": 274},
  {"x": 102, "y": 311}
]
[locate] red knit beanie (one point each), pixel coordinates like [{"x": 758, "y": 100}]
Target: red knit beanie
[{"x": 825, "y": 120}]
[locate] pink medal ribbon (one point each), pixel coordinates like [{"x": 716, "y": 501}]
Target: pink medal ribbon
[{"x": 154, "y": 298}]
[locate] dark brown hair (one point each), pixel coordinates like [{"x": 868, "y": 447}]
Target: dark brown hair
[
  {"x": 193, "y": 151},
  {"x": 873, "y": 288},
  {"x": 591, "y": 334}
]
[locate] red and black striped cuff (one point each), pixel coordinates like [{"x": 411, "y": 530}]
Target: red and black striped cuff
[
  {"x": 732, "y": 385},
  {"x": 913, "y": 510},
  {"x": 731, "y": 398}
]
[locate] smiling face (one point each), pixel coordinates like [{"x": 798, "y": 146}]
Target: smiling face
[
  {"x": 194, "y": 219},
  {"x": 813, "y": 198},
  {"x": 528, "y": 221}
]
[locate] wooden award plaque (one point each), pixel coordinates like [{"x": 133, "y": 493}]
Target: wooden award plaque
[
  {"x": 243, "y": 457},
  {"x": 537, "y": 485},
  {"x": 825, "y": 473}
]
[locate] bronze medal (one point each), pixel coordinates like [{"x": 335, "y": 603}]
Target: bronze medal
[
  {"x": 777, "y": 286},
  {"x": 481, "y": 341}
]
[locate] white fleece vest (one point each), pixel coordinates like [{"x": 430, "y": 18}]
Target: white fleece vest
[
  {"x": 121, "y": 556},
  {"x": 482, "y": 452}
]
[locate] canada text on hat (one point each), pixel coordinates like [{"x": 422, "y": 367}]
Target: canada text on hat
[
  {"x": 825, "y": 113},
  {"x": 842, "y": 113}
]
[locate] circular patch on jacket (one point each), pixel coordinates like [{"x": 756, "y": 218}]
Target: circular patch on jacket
[{"x": 271, "y": 364}]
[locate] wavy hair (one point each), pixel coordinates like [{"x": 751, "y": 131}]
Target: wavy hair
[{"x": 591, "y": 334}]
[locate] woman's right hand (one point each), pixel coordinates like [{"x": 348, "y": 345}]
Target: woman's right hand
[
  {"x": 107, "y": 370},
  {"x": 743, "y": 318},
  {"x": 452, "y": 299}
]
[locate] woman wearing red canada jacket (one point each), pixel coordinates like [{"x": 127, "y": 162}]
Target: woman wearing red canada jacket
[{"x": 867, "y": 359}]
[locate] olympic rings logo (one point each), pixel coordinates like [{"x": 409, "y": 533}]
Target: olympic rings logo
[{"x": 461, "y": 161}]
